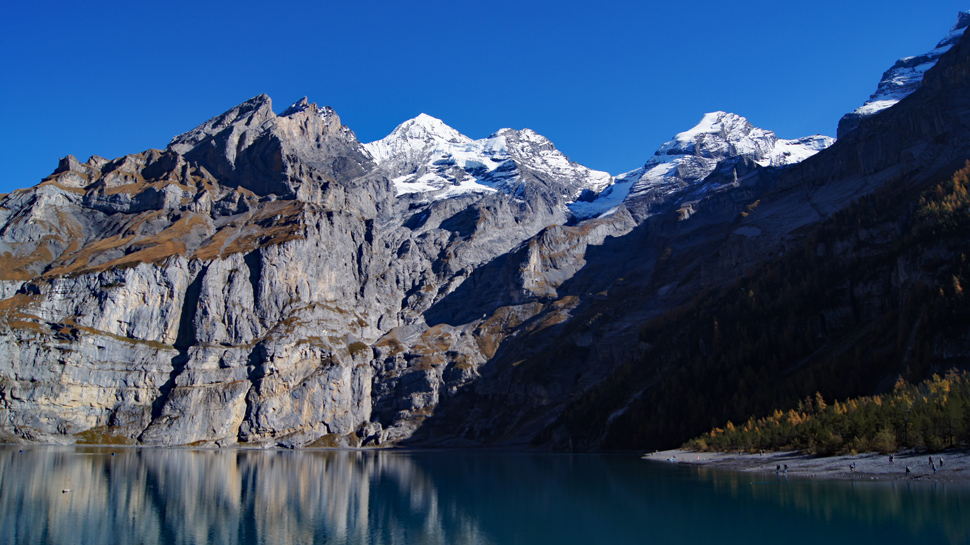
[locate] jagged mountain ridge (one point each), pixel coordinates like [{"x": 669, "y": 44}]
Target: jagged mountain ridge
[{"x": 300, "y": 298}]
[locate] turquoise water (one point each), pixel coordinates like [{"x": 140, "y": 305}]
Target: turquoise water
[{"x": 453, "y": 497}]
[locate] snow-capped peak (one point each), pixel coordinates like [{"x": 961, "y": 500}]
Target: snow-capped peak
[
  {"x": 692, "y": 155},
  {"x": 717, "y": 136},
  {"x": 715, "y": 123},
  {"x": 904, "y": 77},
  {"x": 424, "y": 155},
  {"x": 411, "y": 141},
  {"x": 424, "y": 127},
  {"x": 722, "y": 135}
]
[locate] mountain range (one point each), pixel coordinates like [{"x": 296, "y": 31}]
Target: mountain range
[{"x": 269, "y": 280}]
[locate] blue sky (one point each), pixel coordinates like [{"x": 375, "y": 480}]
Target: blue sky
[{"x": 607, "y": 81}]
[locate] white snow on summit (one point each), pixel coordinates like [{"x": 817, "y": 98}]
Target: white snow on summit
[
  {"x": 414, "y": 139},
  {"x": 427, "y": 156},
  {"x": 907, "y": 74},
  {"x": 694, "y": 154}
]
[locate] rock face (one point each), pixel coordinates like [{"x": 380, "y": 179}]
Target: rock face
[
  {"x": 263, "y": 280},
  {"x": 167, "y": 306},
  {"x": 903, "y": 78},
  {"x": 269, "y": 280}
]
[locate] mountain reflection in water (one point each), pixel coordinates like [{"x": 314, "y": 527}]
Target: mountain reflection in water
[{"x": 458, "y": 497}]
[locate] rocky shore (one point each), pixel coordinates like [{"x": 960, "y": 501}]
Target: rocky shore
[{"x": 950, "y": 466}]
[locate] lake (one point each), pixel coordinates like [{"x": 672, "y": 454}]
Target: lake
[{"x": 130, "y": 495}]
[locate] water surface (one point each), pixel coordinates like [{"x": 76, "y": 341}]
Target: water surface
[{"x": 454, "y": 497}]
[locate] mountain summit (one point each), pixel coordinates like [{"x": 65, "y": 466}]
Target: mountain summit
[
  {"x": 903, "y": 78},
  {"x": 691, "y": 156},
  {"x": 424, "y": 155}
]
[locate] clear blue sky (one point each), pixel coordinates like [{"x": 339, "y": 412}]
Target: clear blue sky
[{"x": 607, "y": 81}]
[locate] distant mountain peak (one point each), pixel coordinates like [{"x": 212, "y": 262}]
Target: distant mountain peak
[
  {"x": 251, "y": 113},
  {"x": 425, "y": 155},
  {"x": 429, "y": 121},
  {"x": 718, "y": 122},
  {"x": 692, "y": 155},
  {"x": 424, "y": 127},
  {"x": 413, "y": 143},
  {"x": 718, "y": 135},
  {"x": 904, "y": 77}
]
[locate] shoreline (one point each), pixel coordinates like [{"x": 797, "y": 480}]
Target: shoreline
[{"x": 868, "y": 466}]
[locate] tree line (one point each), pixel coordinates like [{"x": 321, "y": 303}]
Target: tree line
[{"x": 932, "y": 415}]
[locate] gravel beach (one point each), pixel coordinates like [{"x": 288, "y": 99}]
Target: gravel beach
[{"x": 955, "y": 465}]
